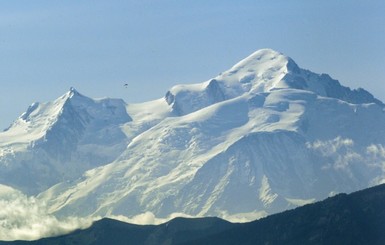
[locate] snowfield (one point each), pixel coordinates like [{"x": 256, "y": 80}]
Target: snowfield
[{"x": 257, "y": 139}]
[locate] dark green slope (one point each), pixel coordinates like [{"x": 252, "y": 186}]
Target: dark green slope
[
  {"x": 358, "y": 218},
  {"x": 111, "y": 232}
]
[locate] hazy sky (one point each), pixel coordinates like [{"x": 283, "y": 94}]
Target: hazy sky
[{"x": 97, "y": 46}]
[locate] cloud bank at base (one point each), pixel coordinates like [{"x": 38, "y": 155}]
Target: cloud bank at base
[{"x": 24, "y": 218}]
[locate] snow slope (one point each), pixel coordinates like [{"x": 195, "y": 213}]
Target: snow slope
[
  {"x": 59, "y": 140},
  {"x": 259, "y": 138}
]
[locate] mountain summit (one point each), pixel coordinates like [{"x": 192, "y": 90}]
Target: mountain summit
[
  {"x": 264, "y": 71},
  {"x": 264, "y": 136},
  {"x": 59, "y": 140}
]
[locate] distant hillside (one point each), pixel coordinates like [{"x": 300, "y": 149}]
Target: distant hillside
[
  {"x": 357, "y": 218},
  {"x": 111, "y": 232}
]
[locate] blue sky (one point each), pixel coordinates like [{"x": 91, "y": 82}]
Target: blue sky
[{"x": 97, "y": 46}]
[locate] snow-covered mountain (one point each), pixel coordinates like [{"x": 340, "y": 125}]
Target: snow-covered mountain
[
  {"x": 259, "y": 138},
  {"x": 57, "y": 141}
]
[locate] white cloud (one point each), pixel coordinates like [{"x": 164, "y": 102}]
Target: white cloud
[
  {"x": 376, "y": 154},
  {"x": 25, "y": 218},
  {"x": 330, "y": 147},
  {"x": 148, "y": 218},
  {"x": 341, "y": 154},
  {"x": 244, "y": 217}
]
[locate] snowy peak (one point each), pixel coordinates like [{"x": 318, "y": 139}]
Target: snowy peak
[
  {"x": 263, "y": 71},
  {"x": 71, "y": 111},
  {"x": 97, "y": 109},
  {"x": 262, "y": 62},
  {"x": 185, "y": 99},
  {"x": 62, "y": 139},
  {"x": 49, "y": 109},
  {"x": 324, "y": 85},
  {"x": 261, "y": 137},
  {"x": 270, "y": 70},
  {"x": 73, "y": 91},
  {"x": 260, "y": 59}
]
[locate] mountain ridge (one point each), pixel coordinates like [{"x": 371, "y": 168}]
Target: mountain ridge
[
  {"x": 356, "y": 218},
  {"x": 58, "y": 136},
  {"x": 260, "y": 138}
]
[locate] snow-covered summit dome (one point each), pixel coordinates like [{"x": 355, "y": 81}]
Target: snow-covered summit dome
[
  {"x": 263, "y": 71},
  {"x": 71, "y": 108},
  {"x": 265, "y": 59}
]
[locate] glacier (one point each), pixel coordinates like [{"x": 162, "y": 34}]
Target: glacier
[
  {"x": 260, "y": 138},
  {"x": 59, "y": 140}
]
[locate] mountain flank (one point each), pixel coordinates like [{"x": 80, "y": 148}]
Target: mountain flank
[
  {"x": 263, "y": 137},
  {"x": 357, "y": 218}
]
